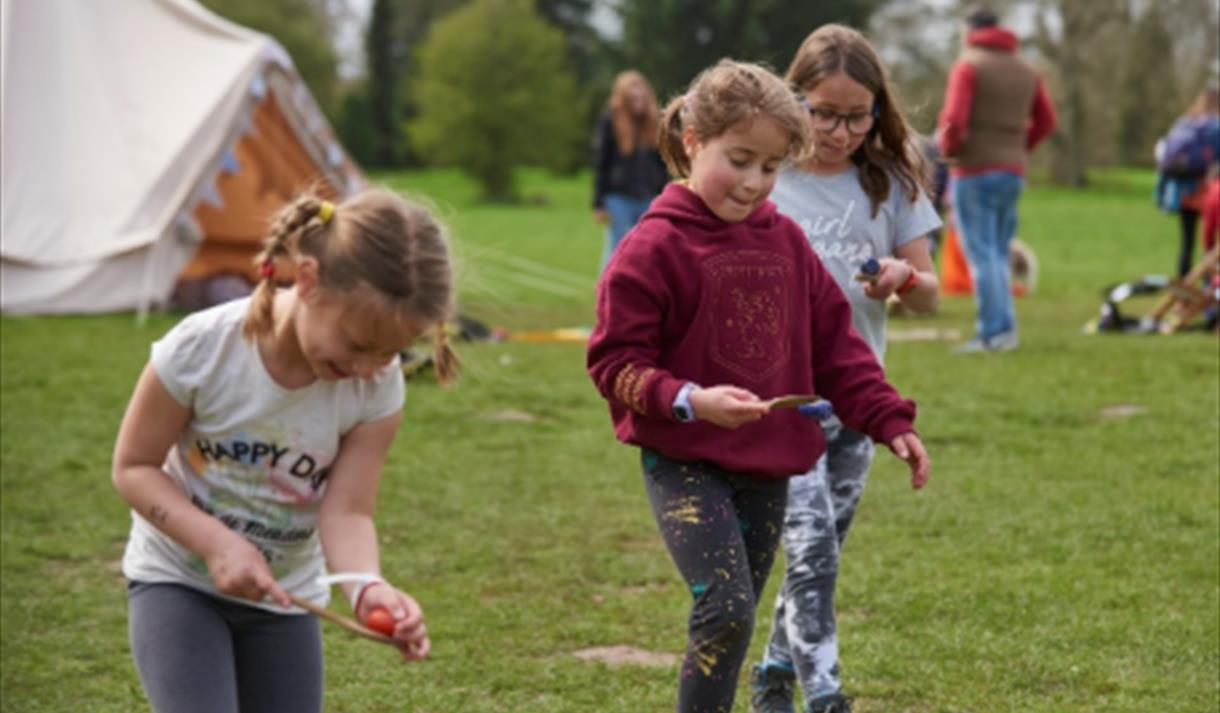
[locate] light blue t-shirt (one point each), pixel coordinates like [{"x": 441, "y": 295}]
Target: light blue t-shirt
[{"x": 836, "y": 215}]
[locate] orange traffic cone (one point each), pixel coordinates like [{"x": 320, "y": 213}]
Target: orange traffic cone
[{"x": 954, "y": 270}]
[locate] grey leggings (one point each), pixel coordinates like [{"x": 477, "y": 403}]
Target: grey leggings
[
  {"x": 821, "y": 505},
  {"x": 721, "y": 530},
  {"x": 197, "y": 653}
]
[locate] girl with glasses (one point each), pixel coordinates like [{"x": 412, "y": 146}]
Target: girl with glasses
[{"x": 858, "y": 198}]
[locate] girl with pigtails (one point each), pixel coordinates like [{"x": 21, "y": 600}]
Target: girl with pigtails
[
  {"x": 251, "y": 452},
  {"x": 713, "y": 306}
]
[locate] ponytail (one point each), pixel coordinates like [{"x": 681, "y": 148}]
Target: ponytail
[
  {"x": 669, "y": 140},
  {"x": 722, "y": 97},
  {"x": 445, "y": 362}
]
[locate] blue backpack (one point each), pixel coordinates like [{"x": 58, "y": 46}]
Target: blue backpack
[{"x": 1190, "y": 147}]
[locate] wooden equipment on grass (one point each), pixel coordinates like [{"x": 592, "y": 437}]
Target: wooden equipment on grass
[{"x": 1184, "y": 298}]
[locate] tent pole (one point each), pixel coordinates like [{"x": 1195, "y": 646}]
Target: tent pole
[{"x": 142, "y": 306}]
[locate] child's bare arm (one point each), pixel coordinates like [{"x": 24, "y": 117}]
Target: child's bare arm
[
  {"x": 153, "y": 422},
  {"x": 349, "y": 536}
]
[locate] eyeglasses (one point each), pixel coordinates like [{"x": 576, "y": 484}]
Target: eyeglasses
[{"x": 859, "y": 123}]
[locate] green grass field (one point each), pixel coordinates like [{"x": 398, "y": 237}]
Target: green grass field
[{"x": 1062, "y": 559}]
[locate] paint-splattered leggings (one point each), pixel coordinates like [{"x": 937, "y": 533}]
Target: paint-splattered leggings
[
  {"x": 721, "y": 530},
  {"x": 821, "y": 505}
]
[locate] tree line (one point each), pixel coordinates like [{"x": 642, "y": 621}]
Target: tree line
[{"x": 489, "y": 85}]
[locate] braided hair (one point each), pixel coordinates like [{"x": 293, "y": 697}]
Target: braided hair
[{"x": 374, "y": 243}]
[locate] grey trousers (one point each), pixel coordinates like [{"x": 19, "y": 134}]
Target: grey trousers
[
  {"x": 197, "y": 653},
  {"x": 821, "y": 505}
]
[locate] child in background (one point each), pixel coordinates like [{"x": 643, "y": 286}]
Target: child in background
[
  {"x": 1185, "y": 157},
  {"x": 857, "y": 197},
  {"x": 251, "y": 454},
  {"x": 713, "y": 304}
]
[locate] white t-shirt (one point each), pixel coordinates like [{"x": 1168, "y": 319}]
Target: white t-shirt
[
  {"x": 836, "y": 215},
  {"x": 255, "y": 454}
]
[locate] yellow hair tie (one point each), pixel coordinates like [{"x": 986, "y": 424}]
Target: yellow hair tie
[{"x": 325, "y": 210}]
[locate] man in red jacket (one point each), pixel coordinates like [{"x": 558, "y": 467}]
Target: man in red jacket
[{"x": 996, "y": 111}]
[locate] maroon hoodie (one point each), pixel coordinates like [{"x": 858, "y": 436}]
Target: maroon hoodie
[{"x": 689, "y": 297}]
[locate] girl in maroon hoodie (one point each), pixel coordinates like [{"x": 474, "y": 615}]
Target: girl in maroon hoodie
[{"x": 713, "y": 305}]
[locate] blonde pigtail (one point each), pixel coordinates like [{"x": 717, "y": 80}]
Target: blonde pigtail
[
  {"x": 445, "y": 361},
  {"x": 281, "y": 242},
  {"x": 669, "y": 139}
]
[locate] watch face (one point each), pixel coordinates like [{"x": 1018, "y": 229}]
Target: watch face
[{"x": 682, "y": 413}]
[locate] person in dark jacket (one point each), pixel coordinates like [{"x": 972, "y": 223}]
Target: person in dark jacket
[
  {"x": 996, "y": 111},
  {"x": 627, "y": 168}
]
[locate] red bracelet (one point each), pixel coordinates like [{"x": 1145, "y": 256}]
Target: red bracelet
[
  {"x": 911, "y": 283},
  {"x": 360, "y": 594}
]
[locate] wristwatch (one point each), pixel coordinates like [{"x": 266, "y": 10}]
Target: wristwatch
[{"x": 683, "y": 411}]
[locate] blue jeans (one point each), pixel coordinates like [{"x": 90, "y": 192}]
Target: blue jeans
[
  {"x": 625, "y": 212},
  {"x": 985, "y": 210}
]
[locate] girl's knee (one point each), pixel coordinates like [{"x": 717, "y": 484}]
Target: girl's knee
[
  {"x": 723, "y": 617},
  {"x": 813, "y": 568},
  {"x": 809, "y": 534}
]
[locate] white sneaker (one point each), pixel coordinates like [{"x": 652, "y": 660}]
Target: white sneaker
[
  {"x": 1002, "y": 342},
  {"x": 974, "y": 346}
]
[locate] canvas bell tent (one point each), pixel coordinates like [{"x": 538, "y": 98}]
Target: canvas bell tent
[{"x": 145, "y": 142}]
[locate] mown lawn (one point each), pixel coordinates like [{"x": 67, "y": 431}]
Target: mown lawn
[{"x": 1062, "y": 559}]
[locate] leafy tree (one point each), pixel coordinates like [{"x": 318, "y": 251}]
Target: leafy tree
[
  {"x": 1192, "y": 24},
  {"x": 1079, "y": 72},
  {"x": 386, "y": 51},
  {"x": 589, "y": 56},
  {"x": 302, "y": 27},
  {"x": 1148, "y": 101},
  {"x": 671, "y": 41},
  {"x": 492, "y": 92},
  {"x": 413, "y": 20},
  {"x": 918, "y": 44},
  {"x": 355, "y": 125},
  {"x": 375, "y": 110}
]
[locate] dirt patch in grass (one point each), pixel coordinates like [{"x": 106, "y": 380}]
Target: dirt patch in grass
[
  {"x": 627, "y": 656},
  {"x": 510, "y": 416},
  {"x": 1122, "y": 410},
  {"x": 923, "y": 334}
]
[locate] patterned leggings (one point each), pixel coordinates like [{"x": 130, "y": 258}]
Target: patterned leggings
[
  {"x": 721, "y": 530},
  {"x": 821, "y": 505}
]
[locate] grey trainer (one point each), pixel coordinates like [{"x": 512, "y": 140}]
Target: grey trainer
[
  {"x": 771, "y": 690},
  {"x": 834, "y": 703}
]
